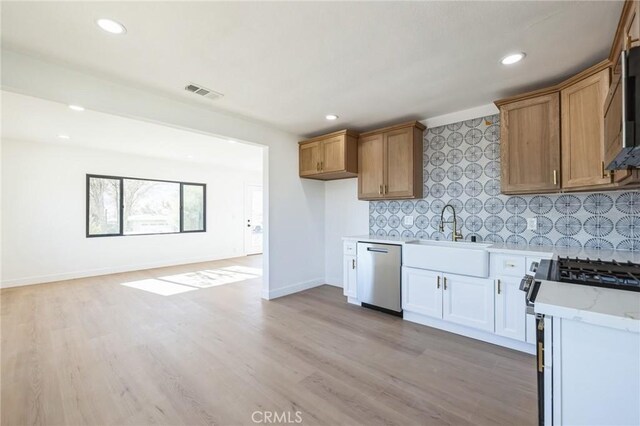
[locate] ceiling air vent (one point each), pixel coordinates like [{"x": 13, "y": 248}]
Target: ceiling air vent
[{"x": 202, "y": 91}]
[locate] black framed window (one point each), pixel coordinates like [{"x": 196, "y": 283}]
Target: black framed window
[{"x": 118, "y": 206}]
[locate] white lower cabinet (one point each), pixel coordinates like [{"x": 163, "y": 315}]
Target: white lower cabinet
[
  {"x": 511, "y": 309},
  {"x": 468, "y": 301},
  {"x": 422, "y": 292},
  {"x": 349, "y": 285},
  {"x": 459, "y": 299}
]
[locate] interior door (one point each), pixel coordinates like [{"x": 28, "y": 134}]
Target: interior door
[
  {"x": 468, "y": 301},
  {"x": 332, "y": 154},
  {"x": 309, "y": 158},
  {"x": 398, "y": 146},
  {"x": 254, "y": 226},
  {"x": 370, "y": 167}
]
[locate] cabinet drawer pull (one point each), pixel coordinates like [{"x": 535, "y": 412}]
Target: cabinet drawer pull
[
  {"x": 498, "y": 286},
  {"x": 445, "y": 283},
  {"x": 555, "y": 177},
  {"x": 353, "y": 264},
  {"x": 438, "y": 282}
]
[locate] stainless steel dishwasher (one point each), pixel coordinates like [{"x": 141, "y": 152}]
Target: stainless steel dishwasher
[{"x": 378, "y": 276}]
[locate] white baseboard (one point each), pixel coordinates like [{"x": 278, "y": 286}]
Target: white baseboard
[
  {"x": 470, "y": 332},
  {"x": 293, "y": 288},
  {"x": 41, "y": 279}
]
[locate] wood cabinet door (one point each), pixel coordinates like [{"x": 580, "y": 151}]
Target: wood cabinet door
[
  {"x": 370, "y": 167},
  {"x": 398, "y": 167},
  {"x": 583, "y": 132},
  {"x": 332, "y": 155},
  {"x": 309, "y": 158},
  {"x": 422, "y": 292},
  {"x": 511, "y": 309},
  {"x": 530, "y": 145},
  {"x": 350, "y": 284},
  {"x": 468, "y": 301}
]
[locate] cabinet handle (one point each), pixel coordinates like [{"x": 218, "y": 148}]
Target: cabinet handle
[
  {"x": 317, "y": 167},
  {"x": 353, "y": 264},
  {"x": 498, "y": 286},
  {"x": 380, "y": 190},
  {"x": 540, "y": 357},
  {"x": 321, "y": 165},
  {"x": 605, "y": 175},
  {"x": 555, "y": 177},
  {"x": 445, "y": 283},
  {"x": 386, "y": 189},
  {"x": 438, "y": 282}
]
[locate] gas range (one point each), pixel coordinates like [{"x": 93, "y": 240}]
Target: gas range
[{"x": 596, "y": 273}]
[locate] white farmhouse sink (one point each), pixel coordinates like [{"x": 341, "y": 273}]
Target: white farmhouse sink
[{"x": 447, "y": 256}]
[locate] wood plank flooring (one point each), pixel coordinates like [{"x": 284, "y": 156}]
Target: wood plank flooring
[{"x": 96, "y": 352}]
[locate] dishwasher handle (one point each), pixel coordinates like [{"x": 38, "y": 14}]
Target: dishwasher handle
[{"x": 377, "y": 250}]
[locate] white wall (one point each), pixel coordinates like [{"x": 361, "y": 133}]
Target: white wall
[
  {"x": 344, "y": 215},
  {"x": 294, "y": 255},
  {"x": 43, "y": 224}
]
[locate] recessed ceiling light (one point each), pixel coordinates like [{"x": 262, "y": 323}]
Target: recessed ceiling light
[
  {"x": 76, "y": 107},
  {"x": 512, "y": 58},
  {"x": 331, "y": 117},
  {"x": 63, "y": 136},
  {"x": 111, "y": 26}
]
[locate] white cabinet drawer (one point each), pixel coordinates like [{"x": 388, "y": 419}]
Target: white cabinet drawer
[
  {"x": 350, "y": 247},
  {"x": 508, "y": 265}
]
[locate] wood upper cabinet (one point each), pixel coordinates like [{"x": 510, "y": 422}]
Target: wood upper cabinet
[
  {"x": 328, "y": 157},
  {"x": 530, "y": 145},
  {"x": 309, "y": 158},
  {"x": 370, "y": 166},
  {"x": 390, "y": 163},
  {"x": 583, "y": 156}
]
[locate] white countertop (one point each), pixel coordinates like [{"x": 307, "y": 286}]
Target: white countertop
[
  {"x": 524, "y": 250},
  {"x": 618, "y": 309},
  {"x": 380, "y": 240},
  {"x": 606, "y": 307}
]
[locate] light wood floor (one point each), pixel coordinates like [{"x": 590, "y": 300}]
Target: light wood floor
[{"x": 96, "y": 352}]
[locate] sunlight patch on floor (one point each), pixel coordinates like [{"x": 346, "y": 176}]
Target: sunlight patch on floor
[
  {"x": 188, "y": 281},
  {"x": 158, "y": 286}
]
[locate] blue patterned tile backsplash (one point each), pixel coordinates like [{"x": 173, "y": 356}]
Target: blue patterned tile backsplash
[{"x": 462, "y": 168}]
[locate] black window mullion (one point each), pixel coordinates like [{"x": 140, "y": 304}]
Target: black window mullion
[
  {"x": 204, "y": 207},
  {"x": 87, "y": 212},
  {"x": 121, "y": 207},
  {"x": 181, "y": 207}
]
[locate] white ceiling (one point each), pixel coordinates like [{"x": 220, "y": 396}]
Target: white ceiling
[
  {"x": 290, "y": 63},
  {"x": 25, "y": 118}
]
